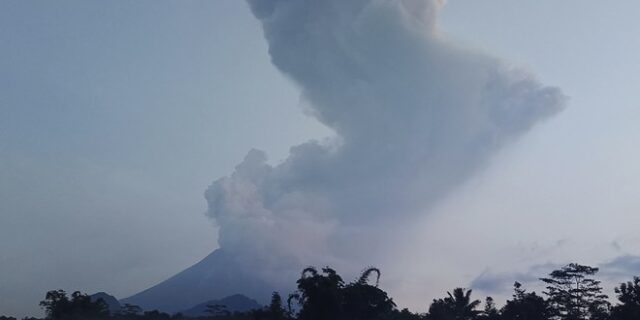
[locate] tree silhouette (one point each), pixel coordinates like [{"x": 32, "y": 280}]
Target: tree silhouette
[
  {"x": 629, "y": 296},
  {"x": 525, "y": 305},
  {"x": 216, "y": 310},
  {"x": 324, "y": 296},
  {"x": 59, "y": 307},
  {"x": 130, "y": 310},
  {"x": 156, "y": 315},
  {"x": 320, "y": 294},
  {"x": 366, "y": 302},
  {"x": 575, "y": 296},
  {"x": 276, "y": 310},
  {"x": 490, "y": 311},
  {"x": 404, "y": 314},
  {"x": 457, "y": 306}
]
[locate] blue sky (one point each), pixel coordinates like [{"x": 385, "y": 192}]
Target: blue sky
[{"x": 116, "y": 116}]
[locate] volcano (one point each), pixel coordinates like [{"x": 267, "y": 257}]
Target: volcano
[{"x": 216, "y": 276}]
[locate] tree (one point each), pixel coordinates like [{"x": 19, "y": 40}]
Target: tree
[
  {"x": 403, "y": 314},
  {"x": 217, "y": 310},
  {"x": 320, "y": 294},
  {"x": 55, "y": 304},
  {"x": 457, "y": 306},
  {"x": 326, "y": 297},
  {"x": 490, "y": 311},
  {"x": 525, "y": 306},
  {"x": 573, "y": 295},
  {"x": 363, "y": 301},
  {"x": 629, "y": 296},
  {"x": 156, "y": 315},
  {"x": 130, "y": 310},
  {"x": 58, "y": 306},
  {"x": 276, "y": 310}
]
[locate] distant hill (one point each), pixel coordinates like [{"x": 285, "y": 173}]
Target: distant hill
[
  {"x": 215, "y": 277},
  {"x": 236, "y": 302},
  {"x": 111, "y": 301}
]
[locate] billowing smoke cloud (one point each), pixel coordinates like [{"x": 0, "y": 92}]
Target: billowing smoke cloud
[{"x": 414, "y": 115}]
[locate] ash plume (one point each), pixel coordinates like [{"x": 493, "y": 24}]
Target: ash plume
[{"x": 414, "y": 116}]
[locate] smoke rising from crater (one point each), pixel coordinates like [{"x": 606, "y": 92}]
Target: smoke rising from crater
[{"x": 414, "y": 114}]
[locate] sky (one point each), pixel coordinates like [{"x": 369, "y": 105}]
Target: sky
[{"x": 115, "y": 117}]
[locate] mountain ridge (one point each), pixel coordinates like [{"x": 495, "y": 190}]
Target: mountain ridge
[{"x": 215, "y": 277}]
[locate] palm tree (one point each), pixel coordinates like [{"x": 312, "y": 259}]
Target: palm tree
[
  {"x": 463, "y": 306},
  {"x": 457, "y": 306}
]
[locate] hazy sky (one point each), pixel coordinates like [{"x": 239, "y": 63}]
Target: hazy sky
[{"x": 116, "y": 116}]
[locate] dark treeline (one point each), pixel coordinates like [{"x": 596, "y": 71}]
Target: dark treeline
[{"x": 571, "y": 293}]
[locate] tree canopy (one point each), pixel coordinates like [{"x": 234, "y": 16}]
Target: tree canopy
[{"x": 572, "y": 293}]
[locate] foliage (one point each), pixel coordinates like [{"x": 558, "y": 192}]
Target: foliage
[
  {"x": 457, "y": 306},
  {"x": 275, "y": 310},
  {"x": 525, "y": 305},
  {"x": 490, "y": 311},
  {"x": 573, "y": 295},
  {"x": 629, "y": 296},
  {"x": 59, "y": 307},
  {"x": 323, "y": 295},
  {"x": 320, "y": 294},
  {"x": 129, "y": 310},
  {"x": 216, "y": 310}
]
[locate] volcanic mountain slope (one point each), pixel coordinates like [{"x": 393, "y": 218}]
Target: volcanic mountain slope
[
  {"x": 214, "y": 277},
  {"x": 112, "y": 303}
]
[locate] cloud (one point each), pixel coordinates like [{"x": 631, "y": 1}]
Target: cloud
[
  {"x": 499, "y": 282},
  {"x": 502, "y": 282},
  {"x": 624, "y": 266},
  {"x": 618, "y": 269},
  {"x": 414, "y": 116}
]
